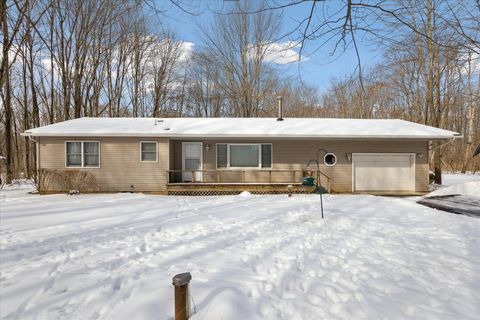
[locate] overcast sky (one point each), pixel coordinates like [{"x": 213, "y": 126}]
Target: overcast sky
[{"x": 317, "y": 68}]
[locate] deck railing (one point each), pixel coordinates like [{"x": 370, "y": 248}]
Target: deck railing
[{"x": 244, "y": 177}]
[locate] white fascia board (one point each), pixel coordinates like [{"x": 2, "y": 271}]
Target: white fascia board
[{"x": 207, "y": 136}]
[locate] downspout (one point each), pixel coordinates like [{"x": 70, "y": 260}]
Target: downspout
[
  {"x": 445, "y": 143},
  {"x": 454, "y": 138}
]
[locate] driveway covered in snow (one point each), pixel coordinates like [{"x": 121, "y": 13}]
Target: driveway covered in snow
[
  {"x": 251, "y": 257},
  {"x": 462, "y": 197}
]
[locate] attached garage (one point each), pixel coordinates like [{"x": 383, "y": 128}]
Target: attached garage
[{"x": 383, "y": 172}]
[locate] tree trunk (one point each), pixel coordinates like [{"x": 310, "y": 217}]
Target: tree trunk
[
  {"x": 26, "y": 123},
  {"x": 470, "y": 116},
  {"x": 8, "y": 94},
  {"x": 52, "y": 67}
]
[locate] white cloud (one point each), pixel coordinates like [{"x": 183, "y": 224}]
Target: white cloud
[
  {"x": 282, "y": 52},
  {"x": 187, "y": 50},
  {"x": 474, "y": 67}
]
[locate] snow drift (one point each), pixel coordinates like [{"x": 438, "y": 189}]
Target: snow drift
[
  {"x": 251, "y": 257},
  {"x": 471, "y": 189}
]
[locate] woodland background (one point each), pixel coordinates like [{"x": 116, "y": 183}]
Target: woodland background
[{"x": 64, "y": 59}]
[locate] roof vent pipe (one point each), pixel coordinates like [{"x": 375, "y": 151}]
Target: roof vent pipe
[{"x": 280, "y": 108}]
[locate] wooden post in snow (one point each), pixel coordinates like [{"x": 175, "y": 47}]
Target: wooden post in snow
[{"x": 182, "y": 306}]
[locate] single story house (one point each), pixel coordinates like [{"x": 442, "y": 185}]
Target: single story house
[{"x": 228, "y": 155}]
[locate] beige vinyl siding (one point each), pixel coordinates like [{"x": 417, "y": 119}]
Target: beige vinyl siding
[
  {"x": 120, "y": 166},
  {"x": 294, "y": 155}
]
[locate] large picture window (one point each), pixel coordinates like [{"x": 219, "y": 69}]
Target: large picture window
[
  {"x": 82, "y": 154},
  {"x": 243, "y": 155}
]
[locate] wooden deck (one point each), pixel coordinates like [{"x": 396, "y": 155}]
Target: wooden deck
[
  {"x": 199, "y": 188},
  {"x": 224, "y": 182}
]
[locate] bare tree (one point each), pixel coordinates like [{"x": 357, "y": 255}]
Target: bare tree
[
  {"x": 236, "y": 45},
  {"x": 141, "y": 45},
  {"x": 470, "y": 116},
  {"x": 163, "y": 63},
  {"x": 11, "y": 19}
]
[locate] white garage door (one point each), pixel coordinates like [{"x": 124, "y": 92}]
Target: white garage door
[{"x": 383, "y": 172}]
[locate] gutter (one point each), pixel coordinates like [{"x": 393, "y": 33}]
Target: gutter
[
  {"x": 454, "y": 138},
  {"x": 256, "y": 136}
]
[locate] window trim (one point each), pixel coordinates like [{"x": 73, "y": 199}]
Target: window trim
[
  {"x": 259, "y": 167},
  {"x": 81, "y": 154},
  {"x": 82, "y": 166},
  {"x": 271, "y": 156},
  {"x": 156, "y": 152},
  {"x": 330, "y": 154}
]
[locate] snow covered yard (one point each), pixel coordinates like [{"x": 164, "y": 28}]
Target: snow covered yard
[
  {"x": 450, "y": 179},
  {"x": 251, "y": 257}
]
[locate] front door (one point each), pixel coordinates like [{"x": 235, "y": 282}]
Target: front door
[{"x": 192, "y": 163}]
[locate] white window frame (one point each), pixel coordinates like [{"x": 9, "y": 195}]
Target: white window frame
[
  {"x": 259, "y": 167},
  {"x": 330, "y": 154},
  {"x": 82, "y": 154},
  {"x": 156, "y": 152}
]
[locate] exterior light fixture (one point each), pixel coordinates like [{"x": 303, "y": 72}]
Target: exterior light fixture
[
  {"x": 349, "y": 156},
  {"x": 207, "y": 147},
  {"x": 420, "y": 155}
]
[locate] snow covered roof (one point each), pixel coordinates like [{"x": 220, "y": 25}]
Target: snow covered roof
[{"x": 242, "y": 128}]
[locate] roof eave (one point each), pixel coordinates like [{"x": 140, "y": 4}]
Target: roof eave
[{"x": 286, "y": 136}]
